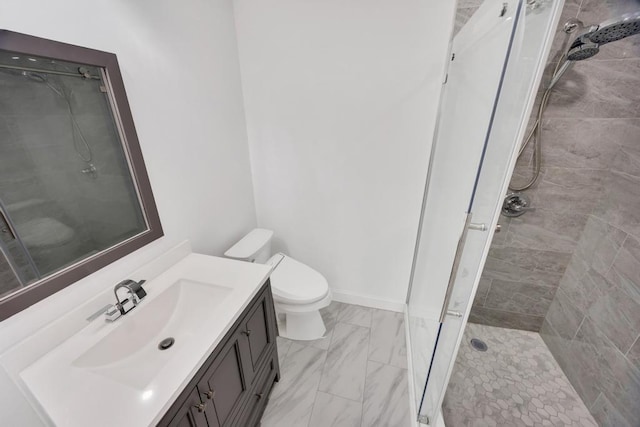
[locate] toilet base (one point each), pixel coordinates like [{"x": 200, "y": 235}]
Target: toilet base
[{"x": 301, "y": 326}]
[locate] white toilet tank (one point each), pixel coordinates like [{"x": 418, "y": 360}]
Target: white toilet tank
[{"x": 254, "y": 247}]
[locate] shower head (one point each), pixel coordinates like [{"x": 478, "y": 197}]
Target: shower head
[
  {"x": 582, "y": 51},
  {"x": 615, "y": 29},
  {"x": 588, "y": 43}
]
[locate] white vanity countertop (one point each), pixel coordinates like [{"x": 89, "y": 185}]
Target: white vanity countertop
[{"x": 73, "y": 392}]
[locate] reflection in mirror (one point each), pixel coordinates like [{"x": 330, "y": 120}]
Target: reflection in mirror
[
  {"x": 464, "y": 12},
  {"x": 66, "y": 189}
]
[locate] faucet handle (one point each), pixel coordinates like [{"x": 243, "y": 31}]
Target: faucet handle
[
  {"x": 135, "y": 293},
  {"x": 138, "y": 290},
  {"x": 112, "y": 313},
  {"x": 127, "y": 304}
]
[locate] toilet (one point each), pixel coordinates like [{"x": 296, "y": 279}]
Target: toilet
[{"x": 299, "y": 292}]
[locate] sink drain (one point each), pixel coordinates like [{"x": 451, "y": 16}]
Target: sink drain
[
  {"x": 478, "y": 344},
  {"x": 166, "y": 343}
]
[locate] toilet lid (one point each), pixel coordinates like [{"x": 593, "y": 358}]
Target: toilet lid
[{"x": 295, "y": 283}]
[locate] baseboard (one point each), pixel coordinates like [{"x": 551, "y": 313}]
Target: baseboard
[{"x": 366, "y": 301}]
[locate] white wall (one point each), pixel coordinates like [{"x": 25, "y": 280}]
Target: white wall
[
  {"x": 180, "y": 68},
  {"x": 341, "y": 99}
]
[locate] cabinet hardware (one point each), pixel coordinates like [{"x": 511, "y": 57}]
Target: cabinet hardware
[
  {"x": 259, "y": 395},
  {"x": 247, "y": 332},
  {"x": 209, "y": 394},
  {"x": 200, "y": 407}
]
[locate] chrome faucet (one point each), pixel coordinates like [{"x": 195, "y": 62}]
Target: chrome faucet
[{"x": 135, "y": 293}]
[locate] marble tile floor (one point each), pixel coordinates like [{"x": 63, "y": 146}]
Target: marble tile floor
[
  {"x": 354, "y": 377},
  {"x": 516, "y": 382}
]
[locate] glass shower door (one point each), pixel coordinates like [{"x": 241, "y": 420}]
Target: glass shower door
[
  {"x": 493, "y": 80},
  {"x": 480, "y": 53}
]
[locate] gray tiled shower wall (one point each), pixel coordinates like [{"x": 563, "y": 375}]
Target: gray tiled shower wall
[
  {"x": 41, "y": 172},
  {"x": 572, "y": 267},
  {"x": 590, "y": 131}
]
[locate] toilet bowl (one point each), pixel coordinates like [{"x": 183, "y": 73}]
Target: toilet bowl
[{"x": 299, "y": 292}]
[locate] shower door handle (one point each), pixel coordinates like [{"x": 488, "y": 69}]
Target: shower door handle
[
  {"x": 454, "y": 269},
  {"x": 7, "y": 226},
  {"x": 478, "y": 227}
]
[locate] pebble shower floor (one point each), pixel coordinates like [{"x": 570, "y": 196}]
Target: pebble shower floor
[{"x": 516, "y": 382}]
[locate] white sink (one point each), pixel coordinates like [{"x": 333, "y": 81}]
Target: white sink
[
  {"x": 129, "y": 354},
  {"x": 113, "y": 374}
]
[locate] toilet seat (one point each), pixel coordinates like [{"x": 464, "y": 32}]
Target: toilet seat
[{"x": 294, "y": 283}]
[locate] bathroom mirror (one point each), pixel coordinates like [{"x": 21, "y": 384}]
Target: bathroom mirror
[{"x": 74, "y": 192}]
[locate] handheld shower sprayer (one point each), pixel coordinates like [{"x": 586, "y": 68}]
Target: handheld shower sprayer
[
  {"x": 588, "y": 42},
  {"x": 584, "y": 46}
]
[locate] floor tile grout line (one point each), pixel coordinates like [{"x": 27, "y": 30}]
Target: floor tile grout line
[
  {"x": 484, "y": 300},
  {"x": 366, "y": 374},
  {"x": 326, "y": 356},
  {"x": 515, "y": 312},
  {"x": 364, "y": 389},
  {"x": 584, "y": 316},
  {"x": 286, "y": 354},
  {"x": 626, "y": 354},
  {"x": 596, "y": 400},
  {"x": 373, "y": 310},
  {"x": 341, "y": 397},
  {"x": 315, "y": 401},
  {"x": 615, "y": 257},
  {"x": 366, "y": 370}
]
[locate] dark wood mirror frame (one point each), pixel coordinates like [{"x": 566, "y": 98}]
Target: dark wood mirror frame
[{"x": 31, "y": 294}]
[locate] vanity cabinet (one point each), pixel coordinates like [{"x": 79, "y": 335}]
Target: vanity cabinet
[
  {"x": 190, "y": 415},
  {"x": 232, "y": 387}
]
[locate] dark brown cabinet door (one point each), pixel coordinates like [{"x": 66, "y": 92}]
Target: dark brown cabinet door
[
  {"x": 191, "y": 414},
  {"x": 257, "y": 399},
  {"x": 224, "y": 385},
  {"x": 257, "y": 333}
]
